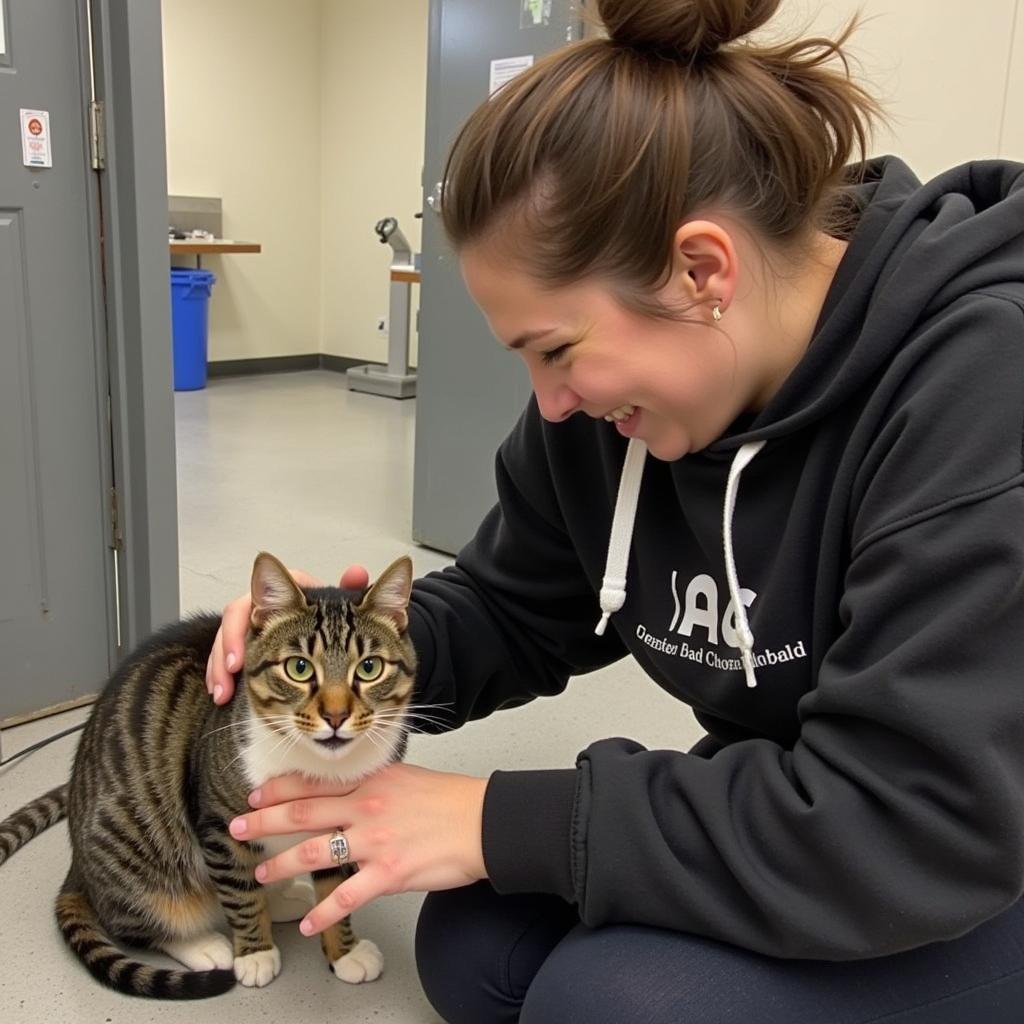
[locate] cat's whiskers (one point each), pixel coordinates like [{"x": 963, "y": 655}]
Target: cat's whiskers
[
  {"x": 440, "y": 708},
  {"x": 377, "y": 740},
  {"x": 378, "y": 737},
  {"x": 275, "y": 719},
  {"x": 256, "y": 740},
  {"x": 396, "y": 715}
]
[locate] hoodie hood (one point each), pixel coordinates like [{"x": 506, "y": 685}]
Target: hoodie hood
[{"x": 916, "y": 249}]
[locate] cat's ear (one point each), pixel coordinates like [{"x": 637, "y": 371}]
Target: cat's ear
[
  {"x": 389, "y": 595},
  {"x": 273, "y": 590}
]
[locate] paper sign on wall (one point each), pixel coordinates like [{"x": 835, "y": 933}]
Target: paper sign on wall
[
  {"x": 505, "y": 70},
  {"x": 35, "y": 138}
]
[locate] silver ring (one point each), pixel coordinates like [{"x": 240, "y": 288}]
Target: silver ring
[{"x": 339, "y": 848}]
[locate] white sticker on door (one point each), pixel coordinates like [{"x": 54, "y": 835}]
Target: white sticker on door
[
  {"x": 35, "y": 138},
  {"x": 505, "y": 70}
]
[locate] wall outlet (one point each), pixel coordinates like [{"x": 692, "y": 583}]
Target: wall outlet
[{"x": 382, "y": 325}]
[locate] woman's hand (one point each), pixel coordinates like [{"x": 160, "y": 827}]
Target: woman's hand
[
  {"x": 408, "y": 829},
  {"x": 229, "y": 646}
]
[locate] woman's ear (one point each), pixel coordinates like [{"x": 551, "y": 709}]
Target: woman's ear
[{"x": 704, "y": 264}]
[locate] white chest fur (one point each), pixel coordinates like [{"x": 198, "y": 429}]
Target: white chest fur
[{"x": 267, "y": 754}]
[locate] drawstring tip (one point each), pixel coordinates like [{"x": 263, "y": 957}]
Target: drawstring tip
[
  {"x": 599, "y": 629},
  {"x": 748, "y": 668}
]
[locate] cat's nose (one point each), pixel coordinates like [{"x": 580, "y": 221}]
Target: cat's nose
[{"x": 335, "y": 718}]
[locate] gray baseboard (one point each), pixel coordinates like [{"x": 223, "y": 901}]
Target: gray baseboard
[
  {"x": 281, "y": 364},
  {"x": 339, "y": 364}
]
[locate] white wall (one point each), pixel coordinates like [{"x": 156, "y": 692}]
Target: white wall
[
  {"x": 374, "y": 96},
  {"x": 243, "y": 123}
]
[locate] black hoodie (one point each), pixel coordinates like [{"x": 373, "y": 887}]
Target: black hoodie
[{"x": 867, "y": 795}]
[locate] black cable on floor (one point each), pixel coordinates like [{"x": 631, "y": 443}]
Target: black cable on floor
[{"x": 41, "y": 743}]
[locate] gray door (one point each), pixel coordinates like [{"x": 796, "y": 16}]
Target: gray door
[
  {"x": 469, "y": 391},
  {"x": 57, "y": 615}
]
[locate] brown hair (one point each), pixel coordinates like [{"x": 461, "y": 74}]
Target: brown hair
[{"x": 595, "y": 155}]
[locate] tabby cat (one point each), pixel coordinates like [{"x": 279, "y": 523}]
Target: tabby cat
[{"x": 160, "y": 771}]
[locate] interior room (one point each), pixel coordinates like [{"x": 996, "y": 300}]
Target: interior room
[{"x": 268, "y": 145}]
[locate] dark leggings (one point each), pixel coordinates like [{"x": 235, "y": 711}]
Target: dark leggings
[{"x": 490, "y": 959}]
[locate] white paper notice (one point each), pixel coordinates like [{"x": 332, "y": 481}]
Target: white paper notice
[
  {"x": 35, "y": 138},
  {"x": 505, "y": 70}
]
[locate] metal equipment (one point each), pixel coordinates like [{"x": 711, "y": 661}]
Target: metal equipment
[{"x": 395, "y": 380}]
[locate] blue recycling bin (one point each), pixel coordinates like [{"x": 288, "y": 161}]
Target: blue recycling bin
[{"x": 190, "y": 319}]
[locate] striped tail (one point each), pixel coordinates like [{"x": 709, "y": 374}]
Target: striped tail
[
  {"x": 32, "y": 819},
  {"x": 109, "y": 965}
]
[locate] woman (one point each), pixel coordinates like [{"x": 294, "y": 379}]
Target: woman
[{"x": 665, "y": 227}]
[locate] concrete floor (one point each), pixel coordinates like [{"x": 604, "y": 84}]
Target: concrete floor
[{"x": 297, "y": 465}]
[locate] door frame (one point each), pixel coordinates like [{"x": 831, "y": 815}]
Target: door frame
[
  {"x": 121, "y": 65},
  {"x": 128, "y": 80}
]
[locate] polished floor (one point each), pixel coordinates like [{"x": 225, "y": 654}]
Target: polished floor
[{"x": 297, "y": 465}]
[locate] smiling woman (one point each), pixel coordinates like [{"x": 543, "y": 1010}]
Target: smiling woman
[
  {"x": 675, "y": 227},
  {"x": 677, "y": 385}
]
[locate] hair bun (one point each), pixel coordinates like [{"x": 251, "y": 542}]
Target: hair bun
[{"x": 691, "y": 27}]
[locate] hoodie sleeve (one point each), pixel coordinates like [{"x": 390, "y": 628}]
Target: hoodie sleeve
[
  {"x": 514, "y": 618},
  {"x": 897, "y": 818}
]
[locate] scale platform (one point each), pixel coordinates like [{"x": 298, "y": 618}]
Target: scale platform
[{"x": 374, "y": 379}]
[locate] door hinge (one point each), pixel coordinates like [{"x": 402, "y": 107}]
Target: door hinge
[
  {"x": 97, "y": 135},
  {"x": 116, "y": 537}
]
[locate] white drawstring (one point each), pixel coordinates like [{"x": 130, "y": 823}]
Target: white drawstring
[
  {"x": 613, "y": 586},
  {"x": 739, "y": 463}
]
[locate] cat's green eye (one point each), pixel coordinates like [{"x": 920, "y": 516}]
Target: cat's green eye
[
  {"x": 370, "y": 669},
  {"x": 299, "y": 669}
]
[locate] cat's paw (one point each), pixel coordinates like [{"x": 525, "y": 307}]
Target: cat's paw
[
  {"x": 254, "y": 970},
  {"x": 208, "y": 952},
  {"x": 292, "y": 901},
  {"x": 363, "y": 962}
]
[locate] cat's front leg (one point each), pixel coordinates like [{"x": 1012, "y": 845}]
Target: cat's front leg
[
  {"x": 231, "y": 865},
  {"x": 351, "y": 959}
]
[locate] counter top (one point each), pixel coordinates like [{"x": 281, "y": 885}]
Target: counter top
[{"x": 202, "y": 247}]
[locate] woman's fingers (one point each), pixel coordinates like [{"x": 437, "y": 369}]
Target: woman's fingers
[
  {"x": 356, "y": 891},
  {"x": 295, "y": 787},
  {"x": 355, "y": 577},
  {"x": 309, "y": 855},
  {"x": 315, "y": 855},
  {"x": 228, "y": 650},
  {"x": 307, "y": 815}
]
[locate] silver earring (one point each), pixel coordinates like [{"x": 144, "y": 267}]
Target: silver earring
[{"x": 716, "y": 313}]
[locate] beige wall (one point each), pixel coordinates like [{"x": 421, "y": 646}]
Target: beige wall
[
  {"x": 1012, "y": 135},
  {"x": 374, "y": 95},
  {"x": 310, "y": 133},
  {"x": 291, "y": 115},
  {"x": 940, "y": 67},
  {"x": 243, "y": 123}
]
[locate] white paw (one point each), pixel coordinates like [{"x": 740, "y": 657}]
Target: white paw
[
  {"x": 203, "y": 953},
  {"x": 363, "y": 963},
  {"x": 254, "y": 970},
  {"x": 292, "y": 901}
]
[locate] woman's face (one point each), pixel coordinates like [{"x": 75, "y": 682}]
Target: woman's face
[{"x": 587, "y": 354}]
